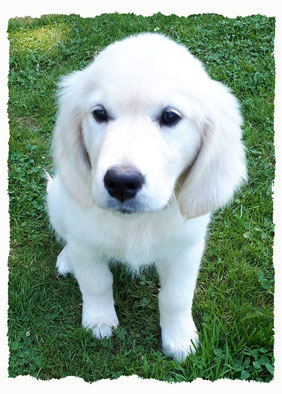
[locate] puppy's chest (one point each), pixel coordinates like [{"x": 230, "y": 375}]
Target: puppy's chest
[
  {"x": 139, "y": 240},
  {"x": 133, "y": 245}
]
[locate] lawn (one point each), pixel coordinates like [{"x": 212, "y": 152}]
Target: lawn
[{"x": 233, "y": 304}]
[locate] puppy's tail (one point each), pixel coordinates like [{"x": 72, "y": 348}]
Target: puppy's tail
[{"x": 49, "y": 179}]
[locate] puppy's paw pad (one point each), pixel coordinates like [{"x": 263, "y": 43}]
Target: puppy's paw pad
[
  {"x": 63, "y": 264},
  {"x": 103, "y": 330},
  {"x": 180, "y": 347},
  {"x": 101, "y": 327}
]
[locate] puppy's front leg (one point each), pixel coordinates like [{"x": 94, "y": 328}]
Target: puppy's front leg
[
  {"x": 95, "y": 281},
  {"x": 178, "y": 276}
]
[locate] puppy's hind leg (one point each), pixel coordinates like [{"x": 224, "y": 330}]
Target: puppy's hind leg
[{"x": 63, "y": 264}]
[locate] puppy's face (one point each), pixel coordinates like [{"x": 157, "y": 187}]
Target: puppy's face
[
  {"x": 142, "y": 121},
  {"x": 139, "y": 129}
]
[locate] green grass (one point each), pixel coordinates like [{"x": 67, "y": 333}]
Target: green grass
[{"x": 233, "y": 306}]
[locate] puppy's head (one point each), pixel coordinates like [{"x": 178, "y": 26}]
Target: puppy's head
[{"x": 144, "y": 124}]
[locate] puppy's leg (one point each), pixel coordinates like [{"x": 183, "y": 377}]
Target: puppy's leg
[
  {"x": 178, "y": 276},
  {"x": 95, "y": 281}
]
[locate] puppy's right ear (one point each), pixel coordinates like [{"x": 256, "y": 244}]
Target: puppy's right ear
[
  {"x": 70, "y": 153},
  {"x": 220, "y": 166}
]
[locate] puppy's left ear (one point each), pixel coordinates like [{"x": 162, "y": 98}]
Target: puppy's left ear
[
  {"x": 70, "y": 153},
  {"x": 220, "y": 166}
]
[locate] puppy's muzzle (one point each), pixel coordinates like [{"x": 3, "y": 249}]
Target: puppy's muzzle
[{"x": 123, "y": 183}]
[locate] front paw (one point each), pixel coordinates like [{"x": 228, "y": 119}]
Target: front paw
[
  {"x": 179, "y": 342},
  {"x": 101, "y": 325}
]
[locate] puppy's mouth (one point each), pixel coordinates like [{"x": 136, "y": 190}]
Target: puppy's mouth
[
  {"x": 134, "y": 206},
  {"x": 128, "y": 207},
  {"x": 126, "y": 211}
]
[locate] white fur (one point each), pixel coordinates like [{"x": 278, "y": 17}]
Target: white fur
[{"x": 190, "y": 169}]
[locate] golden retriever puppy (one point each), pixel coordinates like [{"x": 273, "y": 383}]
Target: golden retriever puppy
[{"x": 146, "y": 145}]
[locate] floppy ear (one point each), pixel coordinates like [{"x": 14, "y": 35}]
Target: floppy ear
[
  {"x": 220, "y": 166},
  {"x": 70, "y": 154}
]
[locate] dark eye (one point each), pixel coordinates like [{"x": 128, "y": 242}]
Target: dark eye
[
  {"x": 100, "y": 114},
  {"x": 169, "y": 118}
]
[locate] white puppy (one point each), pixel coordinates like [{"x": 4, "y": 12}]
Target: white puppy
[{"x": 146, "y": 144}]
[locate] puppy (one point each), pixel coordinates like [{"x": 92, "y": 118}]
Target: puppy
[{"x": 146, "y": 145}]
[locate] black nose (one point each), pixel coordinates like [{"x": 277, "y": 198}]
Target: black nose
[{"x": 123, "y": 183}]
